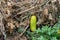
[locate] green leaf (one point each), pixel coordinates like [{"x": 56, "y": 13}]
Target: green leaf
[
  {"x": 33, "y": 38},
  {"x": 42, "y": 38},
  {"x": 54, "y": 38},
  {"x": 49, "y": 31},
  {"x": 38, "y": 30},
  {"x": 20, "y": 29},
  {"x": 44, "y": 29}
]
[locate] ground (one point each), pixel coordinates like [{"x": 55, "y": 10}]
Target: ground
[{"x": 15, "y": 16}]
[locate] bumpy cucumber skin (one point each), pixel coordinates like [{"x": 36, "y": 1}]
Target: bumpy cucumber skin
[{"x": 33, "y": 23}]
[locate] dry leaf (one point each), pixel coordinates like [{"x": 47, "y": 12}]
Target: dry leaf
[
  {"x": 25, "y": 23},
  {"x": 50, "y": 16},
  {"x": 45, "y": 12},
  {"x": 9, "y": 4},
  {"x": 11, "y": 27}
]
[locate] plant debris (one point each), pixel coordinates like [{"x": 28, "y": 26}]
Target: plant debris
[{"x": 15, "y": 14}]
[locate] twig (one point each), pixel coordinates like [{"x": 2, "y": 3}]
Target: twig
[
  {"x": 2, "y": 26},
  {"x": 24, "y": 30},
  {"x": 32, "y": 8},
  {"x": 25, "y": 10},
  {"x": 18, "y": 36}
]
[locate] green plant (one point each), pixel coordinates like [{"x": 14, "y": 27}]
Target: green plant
[
  {"x": 20, "y": 29},
  {"x": 45, "y": 33}
]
